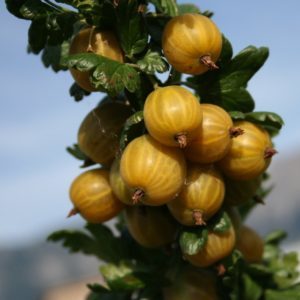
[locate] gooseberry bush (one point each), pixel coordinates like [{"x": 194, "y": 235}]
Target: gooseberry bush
[{"x": 178, "y": 160}]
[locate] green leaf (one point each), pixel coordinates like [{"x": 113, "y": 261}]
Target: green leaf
[
  {"x": 191, "y": 241},
  {"x": 76, "y": 241},
  {"x": 153, "y": 62},
  {"x": 168, "y": 7},
  {"x": 292, "y": 293},
  {"x": 226, "y": 87},
  {"x": 133, "y": 125},
  {"x": 226, "y": 53},
  {"x": 269, "y": 120},
  {"x": 115, "y": 77},
  {"x": 77, "y": 92},
  {"x": 131, "y": 28},
  {"x": 275, "y": 237},
  {"x": 188, "y": 8},
  {"x": 121, "y": 277},
  {"x": 252, "y": 291},
  {"x": 220, "y": 223},
  {"x": 106, "y": 73},
  {"x": 100, "y": 243}
]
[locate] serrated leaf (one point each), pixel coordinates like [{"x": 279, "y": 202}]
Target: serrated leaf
[
  {"x": 168, "y": 7},
  {"x": 188, "y": 8},
  {"x": 221, "y": 222},
  {"x": 153, "y": 62},
  {"x": 114, "y": 77},
  {"x": 76, "y": 241},
  {"x": 192, "y": 241},
  {"x": 77, "y": 92},
  {"x": 106, "y": 73},
  {"x": 251, "y": 290},
  {"x": 131, "y": 28},
  {"x": 121, "y": 277},
  {"x": 101, "y": 243},
  {"x": 133, "y": 125},
  {"x": 83, "y": 62}
]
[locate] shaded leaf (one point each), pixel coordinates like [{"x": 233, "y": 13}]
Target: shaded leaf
[
  {"x": 131, "y": 28},
  {"x": 251, "y": 291},
  {"x": 52, "y": 56},
  {"x": 77, "y": 92},
  {"x": 133, "y": 125},
  {"x": 153, "y": 62},
  {"x": 13, "y": 6},
  {"x": 191, "y": 241}
]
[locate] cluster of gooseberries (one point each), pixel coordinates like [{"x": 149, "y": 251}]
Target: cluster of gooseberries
[{"x": 192, "y": 161}]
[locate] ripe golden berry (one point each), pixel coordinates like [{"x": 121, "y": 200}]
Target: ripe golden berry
[
  {"x": 99, "y": 42},
  {"x": 217, "y": 247},
  {"x": 192, "y": 43},
  {"x": 151, "y": 227},
  {"x": 155, "y": 173},
  {"x": 172, "y": 115},
  {"x": 249, "y": 155},
  {"x": 201, "y": 196},
  {"x": 99, "y": 132},
  {"x": 213, "y": 137},
  {"x": 93, "y": 198}
]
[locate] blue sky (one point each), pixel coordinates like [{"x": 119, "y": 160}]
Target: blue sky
[{"x": 38, "y": 118}]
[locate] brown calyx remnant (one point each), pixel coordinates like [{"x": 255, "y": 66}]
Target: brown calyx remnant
[
  {"x": 208, "y": 62},
  {"x": 198, "y": 218},
  {"x": 181, "y": 139},
  {"x": 221, "y": 270},
  {"x": 269, "y": 152},
  {"x": 74, "y": 211},
  {"x": 235, "y": 132},
  {"x": 137, "y": 196}
]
